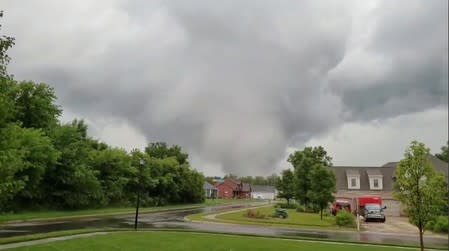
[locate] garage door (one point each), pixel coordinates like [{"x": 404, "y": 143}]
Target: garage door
[{"x": 393, "y": 207}]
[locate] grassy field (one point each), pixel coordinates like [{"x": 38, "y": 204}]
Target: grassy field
[
  {"x": 294, "y": 218},
  {"x": 173, "y": 241},
  {"x": 51, "y": 214},
  {"x": 30, "y": 237}
]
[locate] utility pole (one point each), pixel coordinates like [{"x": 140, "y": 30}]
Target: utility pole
[{"x": 139, "y": 186}]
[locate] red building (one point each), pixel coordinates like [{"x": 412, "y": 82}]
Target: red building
[{"x": 230, "y": 188}]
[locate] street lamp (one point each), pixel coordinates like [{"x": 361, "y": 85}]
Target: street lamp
[{"x": 141, "y": 164}]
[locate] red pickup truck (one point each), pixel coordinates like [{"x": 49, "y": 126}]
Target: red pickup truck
[{"x": 340, "y": 204}]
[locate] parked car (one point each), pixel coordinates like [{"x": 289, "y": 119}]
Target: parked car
[
  {"x": 370, "y": 207},
  {"x": 340, "y": 204}
]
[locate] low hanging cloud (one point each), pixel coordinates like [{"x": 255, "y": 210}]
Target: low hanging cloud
[{"x": 234, "y": 83}]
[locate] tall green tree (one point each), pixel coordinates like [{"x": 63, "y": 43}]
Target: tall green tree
[
  {"x": 286, "y": 185},
  {"x": 161, "y": 150},
  {"x": 303, "y": 162},
  {"x": 419, "y": 187},
  {"x": 25, "y": 155},
  {"x": 8, "y": 89},
  {"x": 443, "y": 155},
  {"x": 6, "y": 42},
  {"x": 322, "y": 186},
  {"x": 114, "y": 172},
  {"x": 72, "y": 183},
  {"x": 35, "y": 105},
  {"x": 271, "y": 180}
]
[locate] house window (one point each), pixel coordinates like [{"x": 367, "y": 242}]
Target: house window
[
  {"x": 375, "y": 183},
  {"x": 353, "y": 182}
]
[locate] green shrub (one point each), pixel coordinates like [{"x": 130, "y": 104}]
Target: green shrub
[
  {"x": 431, "y": 224},
  {"x": 441, "y": 225},
  {"x": 301, "y": 209},
  {"x": 251, "y": 213},
  {"x": 344, "y": 218}
]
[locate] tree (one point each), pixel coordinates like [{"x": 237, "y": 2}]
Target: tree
[
  {"x": 7, "y": 100},
  {"x": 419, "y": 187},
  {"x": 444, "y": 153},
  {"x": 25, "y": 155},
  {"x": 231, "y": 176},
  {"x": 72, "y": 183},
  {"x": 175, "y": 181},
  {"x": 286, "y": 185},
  {"x": 302, "y": 162},
  {"x": 271, "y": 180},
  {"x": 6, "y": 42},
  {"x": 113, "y": 170},
  {"x": 322, "y": 186},
  {"x": 160, "y": 150},
  {"x": 35, "y": 105}
]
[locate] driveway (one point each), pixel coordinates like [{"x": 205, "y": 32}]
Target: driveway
[{"x": 394, "y": 225}]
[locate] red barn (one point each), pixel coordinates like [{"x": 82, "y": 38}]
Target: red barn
[{"x": 230, "y": 188}]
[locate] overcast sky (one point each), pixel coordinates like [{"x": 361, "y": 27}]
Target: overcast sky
[{"x": 240, "y": 84}]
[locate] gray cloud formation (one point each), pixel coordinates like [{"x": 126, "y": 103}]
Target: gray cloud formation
[{"x": 235, "y": 82}]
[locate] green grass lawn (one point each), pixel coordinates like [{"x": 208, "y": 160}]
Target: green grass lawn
[
  {"x": 173, "y": 241},
  {"x": 50, "y": 214},
  {"x": 294, "y": 218},
  {"x": 30, "y": 237}
]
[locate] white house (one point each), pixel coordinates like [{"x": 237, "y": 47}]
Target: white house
[{"x": 263, "y": 192}]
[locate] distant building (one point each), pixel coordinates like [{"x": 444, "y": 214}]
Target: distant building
[
  {"x": 353, "y": 181},
  {"x": 263, "y": 192},
  {"x": 230, "y": 188},
  {"x": 211, "y": 191}
]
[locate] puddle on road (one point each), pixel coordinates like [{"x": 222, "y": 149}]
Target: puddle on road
[{"x": 146, "y": 220}]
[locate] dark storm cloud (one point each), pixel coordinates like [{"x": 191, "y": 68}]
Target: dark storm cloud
[
  {"x": 234, "y": 83},
  {"x": 405, "y": 61}
]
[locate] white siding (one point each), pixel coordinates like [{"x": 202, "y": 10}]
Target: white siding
[
  {"x": 262, "y": 195},
  {"x": 393, "y": 207}
]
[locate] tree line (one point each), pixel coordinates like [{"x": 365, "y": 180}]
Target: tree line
[
  {"x": 252, "y": 180},
  {"x": 311, "y": 182},
  {"x": 45, "y": 163}
]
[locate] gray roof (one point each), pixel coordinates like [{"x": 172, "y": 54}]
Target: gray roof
[
  {"x": 259, "y": 188},
  {"x": 373, "y": 172},
  {"x": 387, "y": 170},
  {"x": 207, "y": 185},
  {"x": 352, "y": 172},
  {"x": 439, "y": 165},
  {"x": 342, "y": 171},
  {"x": 390, "y": 164}
]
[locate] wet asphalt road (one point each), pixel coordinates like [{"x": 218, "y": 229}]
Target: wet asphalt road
[{"x": 174, "y": 219}]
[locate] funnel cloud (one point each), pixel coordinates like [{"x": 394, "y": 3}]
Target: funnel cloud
[{"x": 235, "y": 83}]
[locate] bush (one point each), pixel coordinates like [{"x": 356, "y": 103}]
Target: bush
[
  {"x": 251, "y": 213},
  {"x": 344, "y": 218},
  {"x": 301, "y": 209},
  {"x": 441, "y": 225},
  {"x": 431, "y": 224}
]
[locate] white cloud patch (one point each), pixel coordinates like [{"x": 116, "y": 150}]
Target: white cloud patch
[{"x": 376, "y": 142}]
